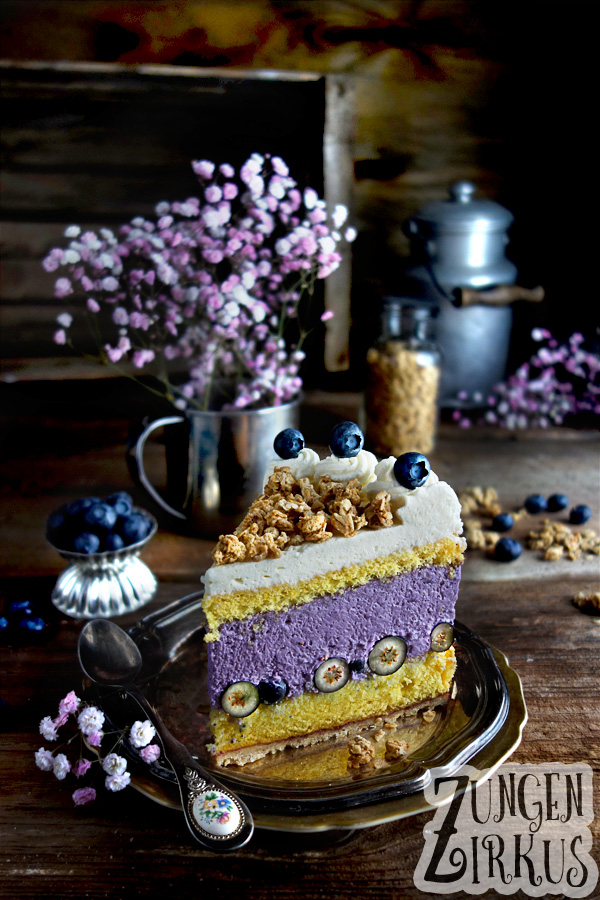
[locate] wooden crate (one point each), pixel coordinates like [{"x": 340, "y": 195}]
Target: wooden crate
[{"x": 96, "y": 144}]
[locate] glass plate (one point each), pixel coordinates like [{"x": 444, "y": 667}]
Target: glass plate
[{"x": 311, "y": 789}]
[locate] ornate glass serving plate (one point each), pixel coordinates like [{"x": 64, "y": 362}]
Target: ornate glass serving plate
[{"x": 312, "y": 789}]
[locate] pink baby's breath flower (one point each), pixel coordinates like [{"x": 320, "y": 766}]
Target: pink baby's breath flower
[
  {"x": 327, "y": 316},
  {"x": 279, "y": 166},
  {"x": 61, "y": 766},
  {"x": 150, "y": 753},
  {"x": 142, "y": 357},
  {"x": 48, "y": 729},
  {"x": 69, "y": 703},
  {"x": 203, "y": 168},
  {"x": 117, "y": 782},
  {"x": 230, "y": 190},
  {"x": 84, "y": 795},
  {"x": 213, "y": 193},
  {"x": 94, "y": 738},
  {"x": 81, "y": 767},
  {"x": 44, "y": 760},
  {"x": 63, "y": 287},
  {"x": 60, "y": 336},
  {"x": 61, "y": 719}
]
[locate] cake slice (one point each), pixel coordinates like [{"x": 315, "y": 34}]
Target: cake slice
[{"x": 332, "y": 604}]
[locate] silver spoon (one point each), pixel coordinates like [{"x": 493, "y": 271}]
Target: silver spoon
[{"x": 216, "y": 817}]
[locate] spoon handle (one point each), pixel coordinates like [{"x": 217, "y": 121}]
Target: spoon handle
[{"x": 215, "y": 816}]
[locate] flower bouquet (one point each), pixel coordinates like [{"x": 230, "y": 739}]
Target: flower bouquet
[{"x": 216, "y": 287}]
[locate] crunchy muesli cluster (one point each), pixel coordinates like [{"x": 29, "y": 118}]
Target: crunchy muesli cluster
[
  {"x": 292, "y": 511},
  {"x": 361, "y": 752},
  {"x": 587, "y": 600},
  {"x": 395, "y": 749},
  {"x": 558, "y": 540},
  {"x": 480, "y": 503}
]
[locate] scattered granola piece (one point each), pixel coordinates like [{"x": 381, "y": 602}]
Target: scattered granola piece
[
  {"x": 554, "y": 552},
  {"x": 587, "y": 600},
  {"x": 429, "y": 715},
  {"x": 379, "y": 735},
  {"x": 361, "y": 752},
  {"x": 395, "y": 749}
]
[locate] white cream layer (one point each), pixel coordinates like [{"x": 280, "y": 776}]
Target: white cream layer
[{"x": 428, "y": 514}]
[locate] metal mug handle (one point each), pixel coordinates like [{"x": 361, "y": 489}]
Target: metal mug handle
[{"x": 138, "y": 462}]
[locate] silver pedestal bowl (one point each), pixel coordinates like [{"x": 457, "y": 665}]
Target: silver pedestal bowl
[{"x": 101, "y": 585}]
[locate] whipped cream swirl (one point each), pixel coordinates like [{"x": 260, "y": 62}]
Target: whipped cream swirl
[
  {"x": 302, "y": 466},
  {"x": 362, "y": 467}
]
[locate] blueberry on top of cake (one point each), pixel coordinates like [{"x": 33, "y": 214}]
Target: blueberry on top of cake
[{"x": 339, "y": 586}]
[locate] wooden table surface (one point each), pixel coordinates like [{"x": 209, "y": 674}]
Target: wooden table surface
[{"x": 126, "y": 845}]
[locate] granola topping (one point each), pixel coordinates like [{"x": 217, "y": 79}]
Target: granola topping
[{"x": 294, "y": 510}]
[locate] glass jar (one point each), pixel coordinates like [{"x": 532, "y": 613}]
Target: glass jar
[{"x": 403, "y": 378}]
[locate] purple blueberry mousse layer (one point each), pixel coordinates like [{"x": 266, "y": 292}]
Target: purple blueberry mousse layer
[{"x": 290, "y": 645}]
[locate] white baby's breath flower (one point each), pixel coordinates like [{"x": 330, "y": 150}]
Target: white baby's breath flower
[
  {"x": 90, "y": 720},
  {"x": 72, "y": 231},
  {"x": 327, "y": 244},
  {"x": 61, "y": 766},
  {"x": 117, "y": 782},
  {"x": 113, "y": 764},
  {"x": 350, "y": 234},
  {"x": 48, "y": 729},
  {"x": 340, "y": 214},
  {"x": 141, "y": 733},
  {"x": 71, "y": 256},
  {"x": 44, "y": 760},
  {"x": 65, "y": 319}
]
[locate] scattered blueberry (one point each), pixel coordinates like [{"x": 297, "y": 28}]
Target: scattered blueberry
[
  {"x": 36, "y": 624},
  {"x": 535, "y": 503},
  {"x": 101, "y": 515},
  {"x": 289, "y": 443},
  {"x": 272, "y": 691},
  {"x": 135, "y": 528},
  {"x": 502, "y": 522},
  {"x": 21, "y": 608},
  {"x": 346, "y": 440},
  {"x": 580, "y": 514},
  {"x": 86, "y": 543},
  {"x": 557, "y": 502},
  {"x": 507, "y": 549},
  {"x": 411, "y": 470},
  {"x": 121, "y": 502},
  {"x": 358, "y": 666},
  {"x": 113, "y": 541}
]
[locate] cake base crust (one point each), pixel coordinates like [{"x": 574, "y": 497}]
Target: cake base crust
[{"x": 244, "y": 755}]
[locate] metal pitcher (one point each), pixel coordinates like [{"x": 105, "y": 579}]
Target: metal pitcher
[
  {"x": 462, "y": 242},
  {"x": 216, "y": 461}
]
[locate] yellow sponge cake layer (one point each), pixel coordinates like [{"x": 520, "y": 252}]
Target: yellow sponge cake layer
[
  {"x": 240, "y": 604},
  {"x": 312, "y": 717}
]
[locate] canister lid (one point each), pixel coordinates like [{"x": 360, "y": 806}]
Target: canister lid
[{"x": 463, "y": 212}]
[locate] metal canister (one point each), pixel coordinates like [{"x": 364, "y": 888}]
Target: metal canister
[{"x": 461, "y": 243}]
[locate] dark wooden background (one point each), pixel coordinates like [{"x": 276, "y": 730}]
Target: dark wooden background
[{"x": 501, "y": 93}]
